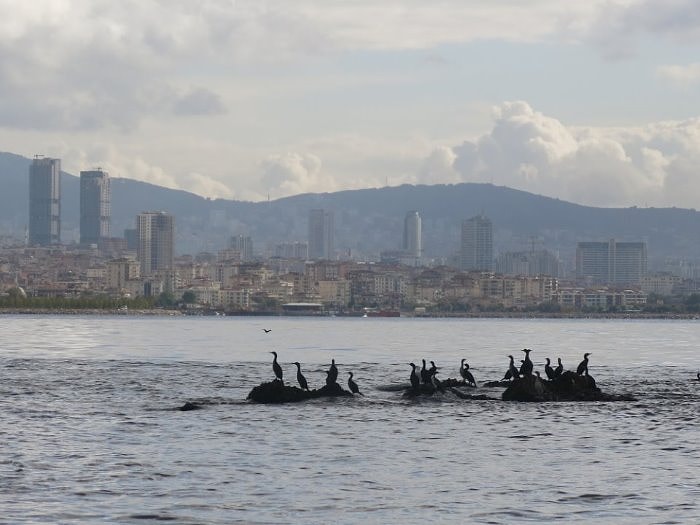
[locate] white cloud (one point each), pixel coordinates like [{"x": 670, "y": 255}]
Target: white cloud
[
  {"x": 681, "y": 75},
  {"x": 294, "y": 173},
  {"x": 655, "y": 164}
]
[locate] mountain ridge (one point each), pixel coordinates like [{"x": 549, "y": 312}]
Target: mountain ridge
[{"x": 369, "y": 220}]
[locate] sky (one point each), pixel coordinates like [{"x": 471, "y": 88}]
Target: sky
[{"x": 593, "y": 102}]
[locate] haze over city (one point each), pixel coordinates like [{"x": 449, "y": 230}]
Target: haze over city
[{"x": 593, "y": 103}]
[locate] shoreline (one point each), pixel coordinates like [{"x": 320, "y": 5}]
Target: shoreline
[{"x": 446, "y": 315}]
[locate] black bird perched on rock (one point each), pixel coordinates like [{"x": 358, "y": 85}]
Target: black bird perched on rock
[
  {"x": 526, "y": 367},
  {"x": 432, "y": 370},
  {"x": 548, "y": 369},
  {"x": 583, "y": 365},
  {"x": 276, "y": 368},
  {"x": 353, "y": 386},
  {"x": 424, "y": 374},
  {"x": 300, "y": 377},
  {"x": 559, "y": 370},
  {"x": 332, "y": 373},
  {"x": 437, "y": 385},
  {"x": 415, "y": 380},
  {"x": 512, "y": 372},
  {"x": 466, "y": 374}
]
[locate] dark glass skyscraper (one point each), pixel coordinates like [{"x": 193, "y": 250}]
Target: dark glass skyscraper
[
  {"x": 95, "y": 196},
  {"x": 44, "y": 201}
]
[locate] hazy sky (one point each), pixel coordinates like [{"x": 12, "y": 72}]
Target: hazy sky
[{"x": 595, "y": 102}]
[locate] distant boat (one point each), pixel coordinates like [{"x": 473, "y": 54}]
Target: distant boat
[{"x": 382, "y": 313}]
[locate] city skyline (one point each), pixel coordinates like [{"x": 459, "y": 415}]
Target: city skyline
[{"x": 373, "y": 95}]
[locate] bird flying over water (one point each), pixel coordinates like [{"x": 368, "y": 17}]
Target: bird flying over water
[{"x": 267, "y": 330}]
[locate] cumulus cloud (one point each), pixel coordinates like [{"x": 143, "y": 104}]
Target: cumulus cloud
[
  {"x": 294, "y": 173},
  {"x": 655, "y": 164}
]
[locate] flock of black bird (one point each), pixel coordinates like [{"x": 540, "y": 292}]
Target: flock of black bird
[
  {"x": 331, "y": 375},
  {"x": 428, "y": 376}
]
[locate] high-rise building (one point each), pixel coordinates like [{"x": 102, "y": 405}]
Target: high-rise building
[
  {"x": 44, "y": 201},
  {"x": 95, "y": 197},
  {"x": 477, "y": 244},
  {"x": 156, "y": 241},
  {"x": 412, "y": 235},
  {"x": 611, "y": 262},
  {"x": 243, "y": 245},
  {"x": 321, "y": 234}
]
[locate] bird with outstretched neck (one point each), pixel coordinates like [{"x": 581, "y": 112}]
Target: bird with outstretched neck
[
  {"x": 276, "y": 368},
  {"x": 300, "y": 378},
  {"x": 353, "y": 386},
  {"x": 424, "y": 374},
  {"x": 583, "y": 365},
  {"x": 415, "y": 380}
]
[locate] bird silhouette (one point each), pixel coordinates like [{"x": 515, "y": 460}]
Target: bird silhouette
[
  {"x": 276, "y": 368},
  {"x": 353, "y": 386},
  {"x": 583, "y": 365},
  {"x": 300, "y": 378},
  {"x": 267, "y": 330}
]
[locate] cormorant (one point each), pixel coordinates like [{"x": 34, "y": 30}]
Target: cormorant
[
  {"x": 583, "y": 365},
  {"x": 332, "y": 373},
  {"x": 267, "y": 330},
  {"x": 353, "y": 386},
  {"x": 300, "y": 377},
  {"x": 415, "y": 380},
  {"x": 276, "y": 368},
  {"x": 435, "y": 381},
  {"x": 526, "y": 367},
  {"x": 432, "y": 370},
  {"x": 559, "y": 370},
  {"x": 466, "y": 374},
  {"x": 512, "y": 372},
  {"x": 698, "y": 376},
  {"x": 549, "y": 370},
  {"x": 424, "y": 374}
]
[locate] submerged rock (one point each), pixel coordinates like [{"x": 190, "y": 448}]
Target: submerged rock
[
  {"x": 189, "y": 405},
  {"x": 448, "y": 386},
  {"x": 278, "y": 392},
  {"x": 567, "y": 387}
]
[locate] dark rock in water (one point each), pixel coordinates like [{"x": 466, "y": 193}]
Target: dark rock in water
[
  {"x": 447, "y": 386},
  {"x": 189, "y": 405},
  {"x": 567, "y": 387},
  {"x": 277, "y": 392}
]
